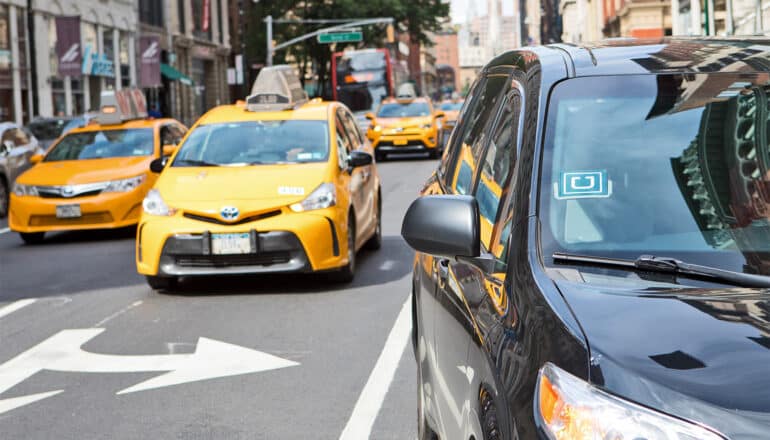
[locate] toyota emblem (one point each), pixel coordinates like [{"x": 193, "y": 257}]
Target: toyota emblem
[
  {"x": 68, "y": 191},
  {"x": 229, "y": 213}
]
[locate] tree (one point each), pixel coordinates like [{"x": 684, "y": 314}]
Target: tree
[{"x": 416, "y": 17}]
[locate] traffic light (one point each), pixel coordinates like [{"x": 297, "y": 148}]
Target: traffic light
[{"x": 390, "y": 33}]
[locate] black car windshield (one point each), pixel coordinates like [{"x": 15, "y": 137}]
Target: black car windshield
[
  {"x": 668, "y": 165},
  {"x": 403, "y": 110},
  {"x": 255, "y": 143},
  {"x": 101, "y": 144},
  {"x": 47, "y": 129}
]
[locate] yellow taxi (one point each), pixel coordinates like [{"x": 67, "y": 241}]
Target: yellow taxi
[
  {"x": 405, "y": 125},
  {"x": 451, "y": 109},
  {"x": 94, "y": 177},
  {"x": 274, "y": 184}
]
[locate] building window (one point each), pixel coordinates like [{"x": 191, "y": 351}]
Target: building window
[
  {"x": 219, "y": 22},
  {"x": 151, "y": 12},
  {"x": 201, "y": 10},
  {"x": 180, "y": 7}
]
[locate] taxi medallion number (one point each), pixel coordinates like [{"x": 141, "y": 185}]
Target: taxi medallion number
[
  {"x": 68, "y": 211},
  {"x": 230, "y": 244}
]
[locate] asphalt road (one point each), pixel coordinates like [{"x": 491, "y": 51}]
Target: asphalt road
[{"x": 233, "y": 358}]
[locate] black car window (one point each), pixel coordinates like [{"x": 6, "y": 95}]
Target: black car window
[
  {"x": 497, "y": 167},
  {"x": 470, "y": 136}
]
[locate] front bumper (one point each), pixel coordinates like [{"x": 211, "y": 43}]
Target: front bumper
[
  {"x": 405, "y": 142},
  {"x": 102, "y": 211},
  {"x": 289, "y": 242}
]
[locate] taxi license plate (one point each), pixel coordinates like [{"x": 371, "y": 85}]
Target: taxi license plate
[
  {"x": 229, "y": 244},
  {"x": 400, "y": 142},
  {"x": 68, "y": 211}
]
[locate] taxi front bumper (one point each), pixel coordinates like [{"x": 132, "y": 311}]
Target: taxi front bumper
[
  {"x": 404, "y": 142},
  {"x": 289, "y": 242},
  {"x": 103, "y": 211}
]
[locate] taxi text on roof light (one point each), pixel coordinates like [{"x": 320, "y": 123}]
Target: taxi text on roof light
[
  {"x": 276, "y": 88},
  {"x": 118, "y": 106}
]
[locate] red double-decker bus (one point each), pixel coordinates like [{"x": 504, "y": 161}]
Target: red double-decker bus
[{"x": 362, "y": 78}]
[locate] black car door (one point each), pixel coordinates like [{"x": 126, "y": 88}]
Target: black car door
[{"x": 459, "y": 284}]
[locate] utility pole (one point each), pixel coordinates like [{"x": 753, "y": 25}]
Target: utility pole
[{"x": 269, "y": 22}]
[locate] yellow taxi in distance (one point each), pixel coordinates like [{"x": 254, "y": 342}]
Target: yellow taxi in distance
[
  {"x": 94, "y": 177},
  {"x": 275, "y": 184},
  {"x": 451, "y": 109},
  {"x": 405, "y": 126}
]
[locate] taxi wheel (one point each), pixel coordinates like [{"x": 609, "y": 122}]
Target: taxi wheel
[
  {"x": 347, "y": 272},
  {"x": 162, "y": 283},
  {"x": 32, "y": 237},
  {"x": 375, "y": 242},
  {"x": 3, "y": 198}
]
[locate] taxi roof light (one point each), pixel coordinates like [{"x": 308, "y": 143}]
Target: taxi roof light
[
  {"x": 118, "y": 106},
  {"x": 276, "y": 88}
]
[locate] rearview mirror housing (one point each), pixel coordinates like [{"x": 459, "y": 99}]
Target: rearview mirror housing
[
  {"x": 439, "y": 114},
  {"x": 443, "y": 225},
  {"x": 369, "y": 116},
  {"x": 359, "y": 158},
  {"x": 157, "y": 165}
]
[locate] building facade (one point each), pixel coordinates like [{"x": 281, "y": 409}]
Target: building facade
[
  {"x": 15, "y": 69},
  {"x": 446, "y": 53}
]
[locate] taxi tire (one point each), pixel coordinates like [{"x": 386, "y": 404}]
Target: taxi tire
[
  {"x": 161, "y": 283},
  {"x": 375, "y": 241},
  {"x": 32, "y": 237},
  {"x": 346, "y": 273}
]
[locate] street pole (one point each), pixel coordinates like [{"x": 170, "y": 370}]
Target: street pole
[
  {"x": 730, "y": 20},
  {"x": 269, "y": 21},
  {"x": 758, "y": 17}
]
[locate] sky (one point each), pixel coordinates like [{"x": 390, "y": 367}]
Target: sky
[{"x": 460, "y": 9}]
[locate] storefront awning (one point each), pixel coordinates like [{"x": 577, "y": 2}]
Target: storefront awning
[{"x": 175, "y": 75}]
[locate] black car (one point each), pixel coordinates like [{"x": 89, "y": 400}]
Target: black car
[{"x": 594, "y": 248}]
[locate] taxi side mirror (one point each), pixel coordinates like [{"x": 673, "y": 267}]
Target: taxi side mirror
[
  {"x": 359, "y": 158},
  {"x": 369, "y": 116},
  {"x": 35, "y": 158},
  {"x": 439, "y": 114},
  {"x": 157, "y": 165},
  {"x": 168, "y": 149}
]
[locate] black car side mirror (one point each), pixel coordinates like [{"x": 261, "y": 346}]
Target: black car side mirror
[
  {"x": 359, "y": 158},
  {"x": 157, "y": 165},
  {"x": 446, "y": 226}
]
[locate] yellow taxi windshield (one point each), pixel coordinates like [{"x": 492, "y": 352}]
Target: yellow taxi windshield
[
  {"x": 255, "y": 143},
  {"x": 100, "y": 144},
  {"x": 404, "y": 110}
]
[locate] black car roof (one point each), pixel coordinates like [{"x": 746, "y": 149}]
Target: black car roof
[{"x": 668, "y": 55}]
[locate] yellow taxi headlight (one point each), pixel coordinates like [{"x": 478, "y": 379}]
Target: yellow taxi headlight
[
  {"x": 377, "y": 128},
  {"x": 24, "y": 190},
  {"x": 570, "y": 408},
  {"x": 154, "y": 204},
  {"x": 426, "y": 126},
  {"x": 322, "y": 197}
]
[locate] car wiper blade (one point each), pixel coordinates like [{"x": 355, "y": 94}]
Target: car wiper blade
[
  {"x": 195, "y": 163},
  {"x": 652, "y": 263}
]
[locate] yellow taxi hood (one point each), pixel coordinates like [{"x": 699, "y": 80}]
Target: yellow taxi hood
[
  {"x": 404, "y": 122},
  {"x": 73, "y": 172},
  {"x": 279, "y": 184}
]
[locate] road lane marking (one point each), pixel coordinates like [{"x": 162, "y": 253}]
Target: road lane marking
[
  {"x": 63, "y": 352},
  {"x": 4, "y": 230},
  {"x": 16, "y": 305},
  {"x": 118, "y": 313},
  {"x": 373, "y": 395}
]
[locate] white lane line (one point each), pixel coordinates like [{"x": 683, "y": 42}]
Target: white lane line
[
  {"x": 118, "y": 313},
  {"x": 4, "y": 230},
  {"x": 16, "y": 305},
  {"x": 367, "y": 407}
]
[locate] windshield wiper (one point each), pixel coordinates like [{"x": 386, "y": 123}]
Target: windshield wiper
[
  {"x": 195, "y": 163},
  {"x": 651, "y": 263}
]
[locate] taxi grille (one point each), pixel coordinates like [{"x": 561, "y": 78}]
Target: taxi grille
[
  {"x": 85, "y": 219},
  {"x": 218, "y": 221},
  {"x": 410, "y": 143},
  {"x": 261, "y": 259},
  {"x": 56, "y": 195}
]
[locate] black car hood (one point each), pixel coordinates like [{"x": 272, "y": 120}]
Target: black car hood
[{"x": 700, "y": 354}]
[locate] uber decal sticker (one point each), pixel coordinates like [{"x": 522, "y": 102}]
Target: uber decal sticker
[
  {"x": 291, "y": 190},
  {"x": 582, "y": 185}
]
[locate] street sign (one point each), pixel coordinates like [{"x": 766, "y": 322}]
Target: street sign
[
  {"x": 62, "y": 352},
  {"x": 340, "y": 37}
]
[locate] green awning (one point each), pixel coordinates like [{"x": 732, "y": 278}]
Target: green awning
[{"x": 175, "y": 75}]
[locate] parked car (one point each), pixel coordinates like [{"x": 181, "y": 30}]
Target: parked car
[
  {"x": 47, "y": 130},
  {"x": 593, "y": 252},
  {"x": 17, "y": 146}
]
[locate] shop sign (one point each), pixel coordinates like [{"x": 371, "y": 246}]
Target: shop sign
[
  {"x": 68, "y": 46},
  {"x": 97, "y": 64},
  {"x": 149, "y": 69}
]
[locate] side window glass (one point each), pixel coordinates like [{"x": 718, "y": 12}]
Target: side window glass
[
  {"x": 343, "y": 145},
  {"x": 470, "y": 140},
  {"x": 355, "y": 133},
  {"x": 495, "y": 178},
  {"x": 166, "y": 136}
]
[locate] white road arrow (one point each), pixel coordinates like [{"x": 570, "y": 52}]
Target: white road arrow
[{"x": 62, "y": 352}]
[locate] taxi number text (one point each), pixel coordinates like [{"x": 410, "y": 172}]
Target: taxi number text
[
  {"x": 68, "y": 211},
  {"x": 229, "y": 244}
]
